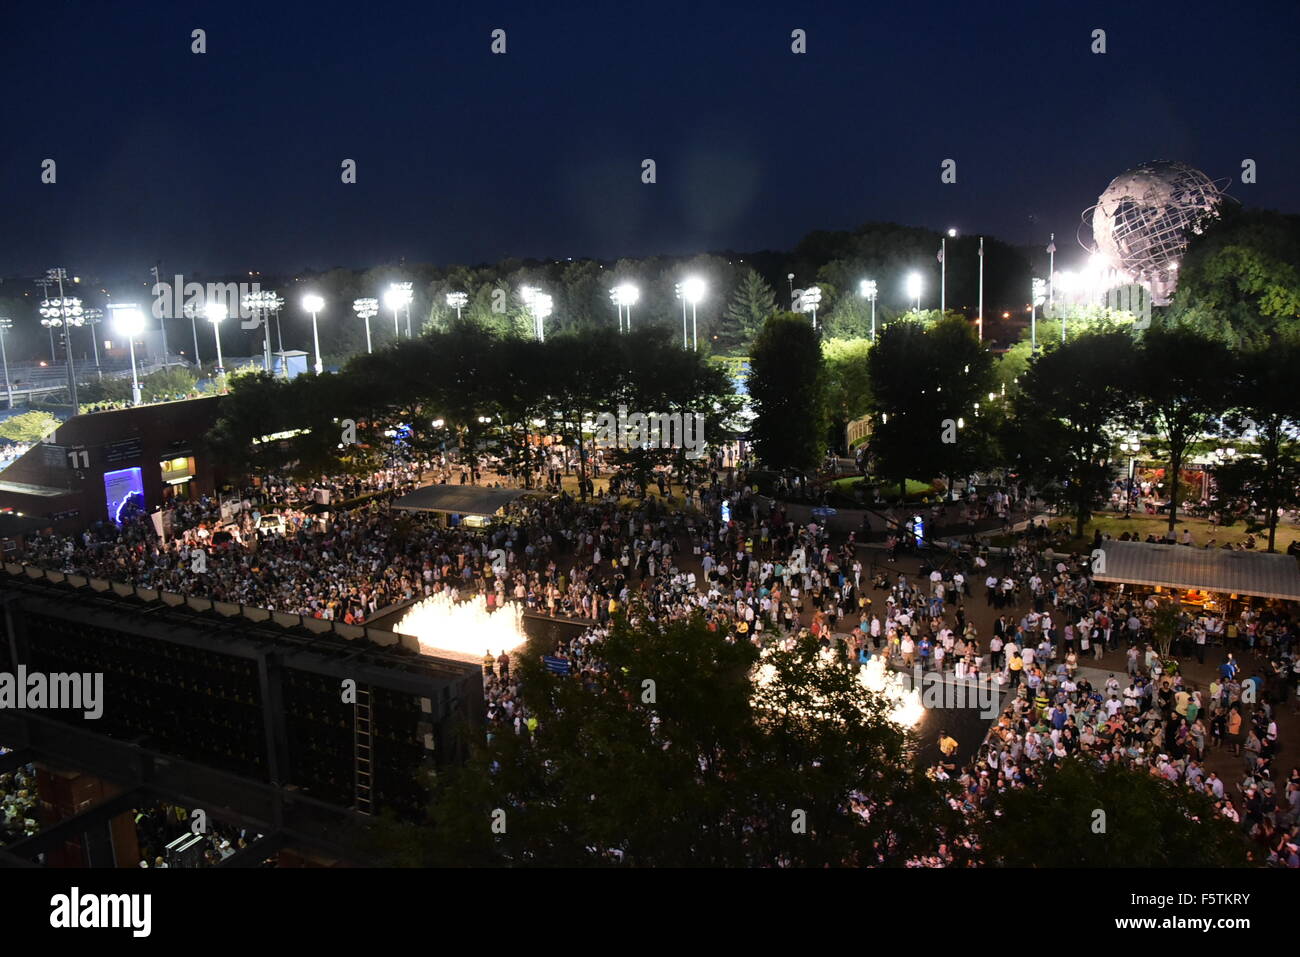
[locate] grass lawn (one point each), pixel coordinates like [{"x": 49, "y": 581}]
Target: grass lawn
[
  {"x": 888, "y": 489},
  {"x": 1202, "y": 531}
]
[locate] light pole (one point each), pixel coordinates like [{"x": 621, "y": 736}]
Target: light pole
[
  {"x": 808, "y": 302},
  {"x": 914, "y": 288},
  {"x": 93, "y": 318},
  {"x": 677, "y": 287},
  {"x": 128, "y": 321},
  {"x": 1130, "y": 447},
  {"x": 261, "y": 304},
  {"x": 623, "y": 296},
  {"x": 193, "y": 310},
  {"x": 943, "y": 269},
  {"x": 693, "y": 288},
  {"x": 162, "y": 320},
  {"x": 1051, "y": 270},
  {"x": 789, "y": 278},
  {"x": 867, "y": 290},
  {"x": 5, "y": 326},
  {"x": 398, "y": 297},
  {"x": 980, "y": 322},
  {"x": 313, "y": 303},
  {"x": 457, "y": 301},
  {"x": 1037, "y": 288},
  {"x": 64, "y": 312},
  {"x": 214, "y": 312},
  {"x": 1069, "y": 284},
  {"x": 366, "y": 309}
]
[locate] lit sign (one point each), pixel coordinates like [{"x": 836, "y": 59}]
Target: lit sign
[{"x": 124, "y": 492}]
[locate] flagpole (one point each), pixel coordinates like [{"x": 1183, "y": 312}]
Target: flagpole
[{"x": 981, "y": 312}]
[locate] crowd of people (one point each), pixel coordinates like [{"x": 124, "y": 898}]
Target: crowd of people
[{"x": 18, "y": 815}]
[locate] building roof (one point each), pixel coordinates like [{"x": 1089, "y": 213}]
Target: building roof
[
  {"x": 1210, "y": 569},
  {"x": 459, "y": 499}
]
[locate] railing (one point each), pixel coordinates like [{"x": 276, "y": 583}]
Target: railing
[{"x": 286, "y": 620}]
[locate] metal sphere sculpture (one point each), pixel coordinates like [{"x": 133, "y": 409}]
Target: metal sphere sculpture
[{"x": 1140, "y": 221}]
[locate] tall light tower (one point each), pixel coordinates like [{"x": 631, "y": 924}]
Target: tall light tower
[
  {"x": 313, "y": 303},
  {"x": 980, "y": 322},
  {"x": 5, "y": 326},
  {"x": 623, "y": 296},
  {"x": 808, "y": 302},
  {"x": 64, "y": 313},
  {"x": 457, "y": 301},
  {"x": 128, "y": 321},
  {"x": 914, "y": 288},
  {"x": 693, "y": 290},
  {"x": 93, "y": 318},
  {"x": 397, "y": 297},
  {"x": 867, "y": 290},
  {"x": 943, "y": 269},
  {"x": 260, "y": 305},
  {"x": 367, "y": 309},
  {"x": 215, "y": 312},
  {"x": 677, "y": 287},
  {"x": 540, "y": 305},
  {"x": 1038, "y": 292},
  {"x": 193, "y": 310}
]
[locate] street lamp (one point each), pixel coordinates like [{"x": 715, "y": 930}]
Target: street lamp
[
  {"x": 943, "y": 269},
  {"x": 128, "y": 321},
  {"x": 623, "y": 296},
  {"x": 366, "y": 309},
  {"x": 914, "y": 288},
  {"x": 5, "y": 326},
  {"x": 313, "y": 303},
  {"x": 867, "y": 290},
  {"x": 457, "y": 301},
  {"x": 214, "y": 312},
  {"x": 1130, "y": 446},
  {"x": 397, "y": 297},
  {"x": 693, "y": 289}
]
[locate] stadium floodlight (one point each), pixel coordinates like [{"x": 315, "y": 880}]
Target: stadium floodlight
[
  {"x": 914, "y": 288},
  {"x": 623, "y": 296},
  {"x": 808, "y": 302},
  {"x": 693, "y": 290},
  {"x": 398, "y": 296},
  {"x": 313, "y": 303},
  {"x": 867, "y": 290},
  {"x": 128, "y": 320},
  {"x": 367, "y": 309},
  {"x": 457, "y": 301},
  {"x": 215, "y": 312}
]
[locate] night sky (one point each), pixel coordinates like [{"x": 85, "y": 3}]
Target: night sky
[{"x": 231, "y": 160}]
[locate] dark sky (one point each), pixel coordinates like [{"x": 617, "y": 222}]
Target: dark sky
[{"x": 231, "y": 160}]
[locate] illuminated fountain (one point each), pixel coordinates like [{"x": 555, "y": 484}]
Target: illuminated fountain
[
  {"x": 464, "y": 628},
  {"x": 902, "y": 704}
]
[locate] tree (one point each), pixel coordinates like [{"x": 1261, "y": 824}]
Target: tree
[
  {"x": 927, "y": 381},
  {"x": 686, "y": 750},
  {"x": 28, "y": 426},
  {"x": 787, "y": 385},
  {"x": 1182, "y": 378},
  {"x": 751, "y": 306},
  {"x": 848, "y": 381},
  {"x": 1070, "y": 400},
  {"x": 1240, "y": 277},
  {"x": 1083, "y": 815},
  {"x": 1267, "y": 471}
]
